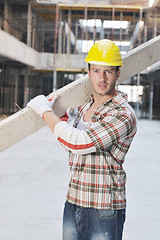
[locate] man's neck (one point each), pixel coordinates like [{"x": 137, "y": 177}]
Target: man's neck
[{"x": 99, "y": 100}]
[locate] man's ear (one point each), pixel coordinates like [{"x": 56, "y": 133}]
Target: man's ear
[
  {"x": 118, "y": 74},
  {"x": 88, "y": 72}
]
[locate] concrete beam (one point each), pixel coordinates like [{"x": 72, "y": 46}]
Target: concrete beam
[
  {"x": 13, "y": 49},
  {"x": 140, "y": 58},
  {"x": 62, "y": 61},
  {"x": 13, "y": 129}
]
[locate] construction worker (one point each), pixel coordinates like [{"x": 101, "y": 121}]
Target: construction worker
[{"x": 97, "y": 143}]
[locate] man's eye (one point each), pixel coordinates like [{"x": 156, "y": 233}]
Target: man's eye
[{"x": 109, "y": 71}]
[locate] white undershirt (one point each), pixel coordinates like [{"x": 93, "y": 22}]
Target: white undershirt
[{"x": 82, "y": 125}]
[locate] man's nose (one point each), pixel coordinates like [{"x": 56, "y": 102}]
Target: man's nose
[{"x": 103, "y": 76}]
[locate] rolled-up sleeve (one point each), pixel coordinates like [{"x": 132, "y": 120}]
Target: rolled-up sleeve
[
  {"x": 73, "y": 139},
  {"x": 114, "y": 134}
]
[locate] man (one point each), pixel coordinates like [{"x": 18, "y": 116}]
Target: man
[{"x": 97, "y": 143}]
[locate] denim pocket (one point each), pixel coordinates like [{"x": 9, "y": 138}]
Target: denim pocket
[{"x": 105, "y": 214}]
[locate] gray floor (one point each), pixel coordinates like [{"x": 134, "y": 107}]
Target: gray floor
[{"x": 34, "y": 175}]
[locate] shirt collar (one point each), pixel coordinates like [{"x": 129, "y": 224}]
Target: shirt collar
[{"x": 120, "y": 98}]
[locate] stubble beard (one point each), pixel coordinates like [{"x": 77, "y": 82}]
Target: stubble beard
[{"x": 109, "y": 91}]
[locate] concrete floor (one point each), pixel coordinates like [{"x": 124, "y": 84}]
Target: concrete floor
[{"x": 34, "y": 175}]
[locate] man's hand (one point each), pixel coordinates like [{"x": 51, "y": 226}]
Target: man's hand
[{"x": 40, "y": 104}]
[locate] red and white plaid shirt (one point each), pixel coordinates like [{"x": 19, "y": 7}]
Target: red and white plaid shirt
[{"x": 97, "y": 154}]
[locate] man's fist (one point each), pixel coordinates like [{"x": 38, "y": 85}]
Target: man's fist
[{"x": 40, "y": 104}]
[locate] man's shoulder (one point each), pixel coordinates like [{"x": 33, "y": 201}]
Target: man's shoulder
[
  {"x": 85, "y": 105},
  {"x": 121, "y": 111}
]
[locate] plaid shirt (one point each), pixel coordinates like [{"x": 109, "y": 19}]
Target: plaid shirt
[
  {"x": 98, "y": 179},
  {"x": 97, "y": 154}
]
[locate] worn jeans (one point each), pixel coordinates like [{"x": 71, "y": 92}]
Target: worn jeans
[{"x": 92, "y": 224}]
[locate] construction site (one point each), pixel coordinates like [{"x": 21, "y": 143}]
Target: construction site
[
  {"x": 53, "y": 37},
  {"x": 43, "y": 44}
]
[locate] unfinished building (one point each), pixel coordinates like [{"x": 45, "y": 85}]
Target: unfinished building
[{"x": 43, "y": 44}]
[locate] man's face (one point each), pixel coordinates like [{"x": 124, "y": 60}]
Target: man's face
[{"x": 103, "y": 79}]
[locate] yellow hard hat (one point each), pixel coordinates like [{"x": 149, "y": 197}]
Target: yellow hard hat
[{"x": 104, "y": 53}]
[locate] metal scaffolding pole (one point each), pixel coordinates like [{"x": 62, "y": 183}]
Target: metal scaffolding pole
[
  {"x": 151, "y": 98},
  {"x": 137, "y": 103},
  {"x": 120, "y": 32},
  {"x": 95, "y": 30},
  {"x": 54, "y": 80},
  {"x": 42, "y": 47},
  {"x": 113, "y": 17},
  {"x": 64, "y": 37},
  {"x": 60, "y": 32},
  {"x": 55, "y": 48},
  {"x": 76, "y": 36},
  {"x": 26, "y": 88},
  {"x": 155, "y": 23},
  {"x": 69, "y": 32},
  {"x": 6, "y": 15},
  {"x": 140, "y": 30},
  {"x": 29, "y": 25},
  {"x": 35, "y": 32},
  {"x": 102, "y": 30},
  {"x": 145, "y": 33},
  {"x": 86, "y": 18},
  {"x": 16, "y": 89},
  {"x": 56, "y": 30}
]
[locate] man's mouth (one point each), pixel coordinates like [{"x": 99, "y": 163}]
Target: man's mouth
[{"x": 102, "y": 85}]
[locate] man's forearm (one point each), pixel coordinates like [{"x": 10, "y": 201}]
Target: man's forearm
[
  {"x": 74, "y": 140},
  {"x": 51, "y": 119}
]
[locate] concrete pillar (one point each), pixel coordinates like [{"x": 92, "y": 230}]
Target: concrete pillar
[
  {"x": 95, "y": 30},
  {"x": 42, "y": 47},
  {"x": 86, "y": 18},
  {"x": 131, "y": 92},
  {"x": 35, "y": 33},
  {"x": 7, "y": 14},
  {"x": 155, "y": 24},
  {"x": 137, "y": 104},
  {"x": 120, "y": 32},
  {"x": 113, "y": 18},
  {"x": 76, "y": 35},
  {"x": 16, "y": 90},
  {"x": 102, "y": 31},
  {"x": 69, "y": 33},
  {"x": 54, "y": 80},
  {"x": 56, "y": 29},
  {"x": 29, "y": 25},
  {"x": 145, "y": 33},
  {"x": 151, "y": 98},
  {"x": 60, "y": 32},
  {"x": 1, "y": 21},
  {"x": 26, "y": 88},
  {"x": 140, "y": 29},
  {"x": 64, "y": 37}
]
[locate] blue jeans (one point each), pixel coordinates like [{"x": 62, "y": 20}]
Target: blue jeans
[{"x": 92, "y": 224}]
